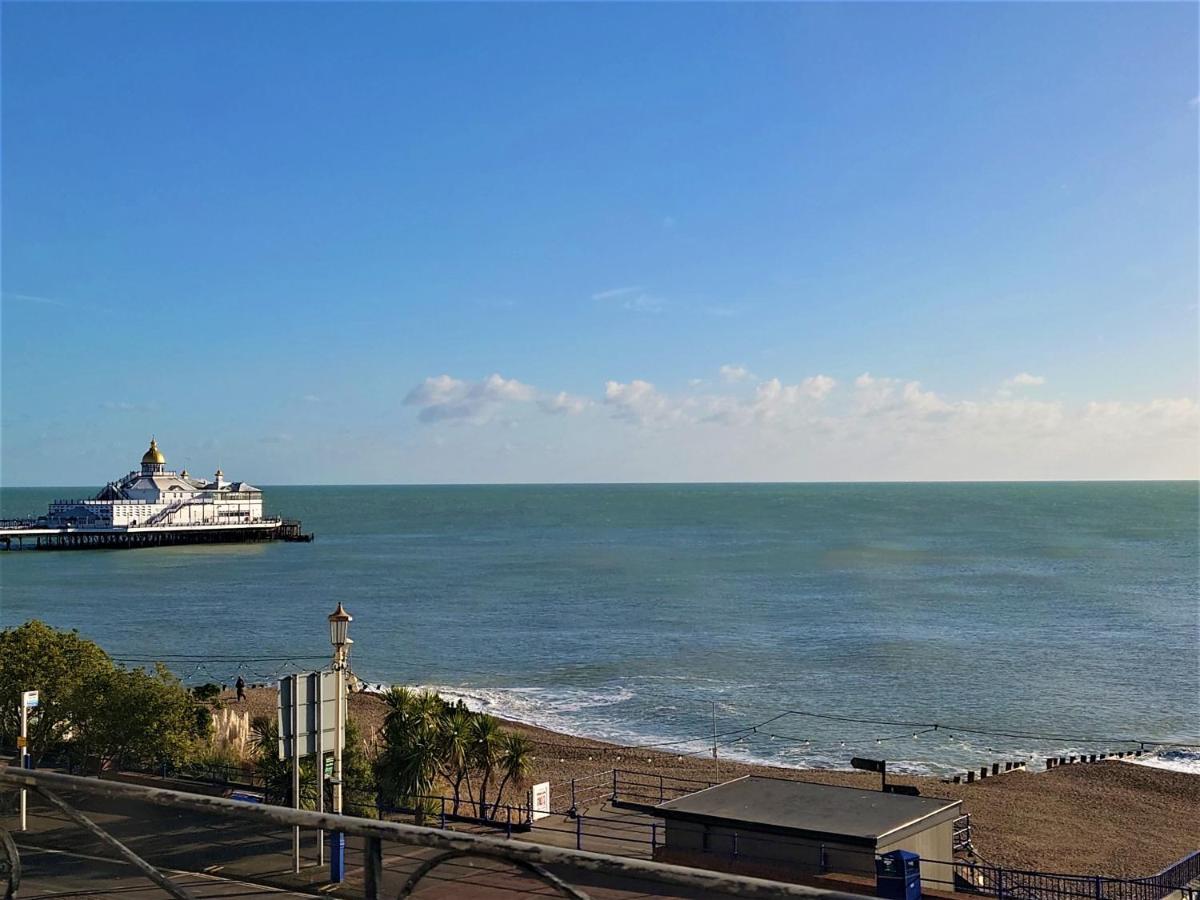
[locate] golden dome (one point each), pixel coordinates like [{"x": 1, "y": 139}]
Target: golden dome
[{"x": 153, "y": 456}]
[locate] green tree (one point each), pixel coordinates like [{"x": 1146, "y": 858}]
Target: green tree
[
  {"x": 516, "y": 762},
  {"x": 486, "y": 750},
  {"x": 58, "y": 665},
  {"x": 134, "y": 717},
  {"x": 277, "y": 773},
  {"x": 409, "y": 762},
  {"x": 359, "y": 792}
]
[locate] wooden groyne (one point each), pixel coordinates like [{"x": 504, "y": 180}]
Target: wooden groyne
[
  {"x": 30, "y": 536},
  {"x": 1053, "y": 762}
]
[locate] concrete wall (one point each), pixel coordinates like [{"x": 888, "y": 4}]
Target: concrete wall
[
  {"x": 935, "y": 846},
  {"x": 803, "y": 855}
]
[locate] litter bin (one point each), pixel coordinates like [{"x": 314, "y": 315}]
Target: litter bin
[{"x": 898, "y": 875}]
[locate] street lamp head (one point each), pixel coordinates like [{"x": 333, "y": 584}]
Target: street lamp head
[{"x": 339, "y": 625}]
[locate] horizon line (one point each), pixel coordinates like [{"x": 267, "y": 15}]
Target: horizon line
[{"x": 882, "y": 481}]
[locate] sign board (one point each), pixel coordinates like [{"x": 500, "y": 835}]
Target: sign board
[
  {"x": 329, "y": 766},
  {"x": 22, "y": 742},
  {"x": 869, "y": 765},
  {"x": 539, "y": 801},
  {"x": 316, "y": 702},
  {"x": 29, "y": 699}
]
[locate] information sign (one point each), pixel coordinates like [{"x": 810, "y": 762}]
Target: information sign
[
  {"x": 29, "y": 699},
  {"x": 316, "y": 699},
  {"x": 539, "y": 801}
]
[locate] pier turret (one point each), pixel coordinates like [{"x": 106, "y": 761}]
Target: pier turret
[{"x": 153, "y": 462}]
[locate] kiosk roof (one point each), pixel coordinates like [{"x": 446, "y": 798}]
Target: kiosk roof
[{"x": 801, "y": 806}]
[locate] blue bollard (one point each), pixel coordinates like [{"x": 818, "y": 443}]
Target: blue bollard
[{"x": 337, "y": 857}]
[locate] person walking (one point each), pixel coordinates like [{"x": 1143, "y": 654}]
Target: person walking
[{"x": 240, "y": 684}]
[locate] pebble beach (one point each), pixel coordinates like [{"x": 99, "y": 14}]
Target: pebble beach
[{"x": 1111, "y": 818}]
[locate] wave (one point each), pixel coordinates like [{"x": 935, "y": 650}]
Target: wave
[
  {"x": 1177, "y": 759},
  {"x": 612, "y": 714}
]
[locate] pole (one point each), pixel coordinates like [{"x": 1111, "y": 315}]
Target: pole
[
  {"x": 296, "y": 769},
  {"x": 716, "y": 762},
  {"x": 24, "y": 753},
  {"x": 320, "y": 765},
  {"x": 337, "y": 839}
]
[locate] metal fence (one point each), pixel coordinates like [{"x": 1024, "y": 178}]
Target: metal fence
[
  {"x": 641, "y": 836},
  {"x": 414, "y": 852},
  {"x": 1019, "y": 884}
]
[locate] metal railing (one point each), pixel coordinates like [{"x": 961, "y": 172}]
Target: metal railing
[
  {"x": 444, "y": 846},
  {"x": 1020, "y": 884},
  {"x": 642, "y": 837}
]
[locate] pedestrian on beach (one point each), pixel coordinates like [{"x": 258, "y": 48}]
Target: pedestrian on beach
[{"x": 240, "y": 684}]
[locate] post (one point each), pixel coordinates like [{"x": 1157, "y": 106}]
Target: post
[
  {"x": 24, "y": 754},
  {"x": 653, "y": 838},
  {"x": 373, "y": 870},
  {"x": 716, "y": 762},
  {"x": 579, "y": 832},
  {"x": 443, "y": 818},
  {"x": 337, "y": 849},
  {"x": 295, "y": 769},
  {"x": 321, "y": 765}
]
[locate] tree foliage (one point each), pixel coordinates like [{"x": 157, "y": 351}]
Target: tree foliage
[
  {"x": 59, "y": 665},
  {"x": 428, "y": 741},
  {"x": 96, "y": 712}
]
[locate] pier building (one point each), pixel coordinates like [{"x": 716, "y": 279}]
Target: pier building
[{"x": 153, "y": 506}]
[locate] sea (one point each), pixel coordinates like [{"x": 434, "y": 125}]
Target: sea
[{"x": 795, "y": 624}]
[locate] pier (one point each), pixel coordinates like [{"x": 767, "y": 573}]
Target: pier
[{"x": 29, "y": 535}]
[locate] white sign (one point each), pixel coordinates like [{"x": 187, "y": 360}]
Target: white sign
[
  {"x": 29, "y": 699},
  {"x": 539, "y": 801}
]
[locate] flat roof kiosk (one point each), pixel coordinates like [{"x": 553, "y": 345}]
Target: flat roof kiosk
[{"x": 784, "y": 829}]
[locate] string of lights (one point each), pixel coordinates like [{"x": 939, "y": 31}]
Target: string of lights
[{"x": 220, "y": 668}]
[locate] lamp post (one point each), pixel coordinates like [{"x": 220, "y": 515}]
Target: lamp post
[{"x": 339, "y": 627}]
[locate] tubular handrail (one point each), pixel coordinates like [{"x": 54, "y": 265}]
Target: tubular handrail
[{"x": 536, "y": 854}]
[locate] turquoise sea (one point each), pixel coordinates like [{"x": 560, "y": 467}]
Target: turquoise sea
[{"x": 1062, "y": 615}]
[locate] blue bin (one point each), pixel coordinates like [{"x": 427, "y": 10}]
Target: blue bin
[
  {"x": 337, "y": 857},
  {"x": 898, "y": 875}
]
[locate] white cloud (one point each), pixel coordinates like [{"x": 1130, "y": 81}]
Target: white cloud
[
  {"x": 562, "y": 402},
  {"x": 635, "y": 299},
  {"x": 441, "y": 397},
  {"x": 1024, "y": 379},
  {"x": 877, "y": 427},
  {"x": 638, "y": 401},
  {"x": 618, "y": 293},
  {"x": 733, "y": 374}
]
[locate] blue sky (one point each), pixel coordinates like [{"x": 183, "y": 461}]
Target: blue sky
[{"x": 404, "y": 243}]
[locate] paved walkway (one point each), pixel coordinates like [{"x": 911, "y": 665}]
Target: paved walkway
[{"x": 228, "y": 858}]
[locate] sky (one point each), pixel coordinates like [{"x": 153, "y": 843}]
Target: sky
[{"x": 407, "y": 243}]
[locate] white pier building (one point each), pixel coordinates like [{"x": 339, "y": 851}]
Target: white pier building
[
  {"x": 155, "y": 495},
  {"x": 155, "y": 506}
]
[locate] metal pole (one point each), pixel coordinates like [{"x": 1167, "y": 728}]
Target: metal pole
[
  {"x": 173, "y": 889},
  {"x": 337, "y": 742},
  {"x": 337, "y": 850},
  {"x": 296, "y": 769},
  {"x": 320, "y": 765},
  {"x": 716, "y": 762},
  {"x": 24, "y": 753}
]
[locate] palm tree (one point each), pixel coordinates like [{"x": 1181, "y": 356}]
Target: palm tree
[
  {"x": 516, "y": 761},
  {"x": 407, "y": 765},
  {"x": 454, "y": 743},
  {"x": 486, "y": 740}
]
